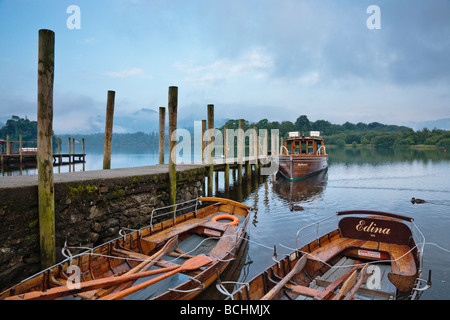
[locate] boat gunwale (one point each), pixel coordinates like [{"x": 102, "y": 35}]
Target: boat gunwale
[
  {"x": 413, "y": 294},
  {"x": 45, "y": 273}
]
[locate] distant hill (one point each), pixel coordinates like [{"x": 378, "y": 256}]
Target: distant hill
[
  {"x": 147, "y": 121},
  {"x": 443, "y": 124}
]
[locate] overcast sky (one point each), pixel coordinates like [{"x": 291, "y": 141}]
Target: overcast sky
[{"x": 252, "y": 59}]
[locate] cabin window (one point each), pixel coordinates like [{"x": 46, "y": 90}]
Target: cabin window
[
  {"x": 289, "y": 146},
  {"x": 303, "y": 146},
  {"x": 296, "y": 147},
  {"x": 310, "y": 147}
]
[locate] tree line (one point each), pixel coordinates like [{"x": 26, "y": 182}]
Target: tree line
[{"x": 373, "y": 134}]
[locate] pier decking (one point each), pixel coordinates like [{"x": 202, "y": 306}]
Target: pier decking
[{"x": 85, "y": 176}]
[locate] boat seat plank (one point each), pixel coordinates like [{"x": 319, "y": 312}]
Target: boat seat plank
[
  {"x": 337, "y": 271},
  {"x": 403, "y": 264},
  {"x": 331, "y": 249},
  {"x": 184, "y": 226},
  {"x": 226, "y": 242},
  {"x": 163, "y": 235}
]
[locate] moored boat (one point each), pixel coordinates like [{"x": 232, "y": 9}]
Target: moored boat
[
  {"x": 371, "y": 255},
  {"x": 183, "y": 250},
  {"x": 301, "y": 156}
]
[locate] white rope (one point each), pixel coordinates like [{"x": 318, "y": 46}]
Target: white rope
[
  {"x": 351, "y": 266},
  {"x": 436, "y": 245}
]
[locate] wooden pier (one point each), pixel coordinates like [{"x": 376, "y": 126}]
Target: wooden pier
[
  {"x": 89, "y": 193},
  {"x": 29, "y": 159}
]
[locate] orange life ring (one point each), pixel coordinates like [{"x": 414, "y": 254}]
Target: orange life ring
[{"x": 234, "y": 219}]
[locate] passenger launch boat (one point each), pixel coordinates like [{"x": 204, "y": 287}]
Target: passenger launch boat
[
  {"x": 301, "y": 157},
  {"x": 183, "y": 250},
  {"x": 372, "y": 255}
]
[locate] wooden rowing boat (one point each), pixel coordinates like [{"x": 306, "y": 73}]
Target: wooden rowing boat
[
  {"x": 301, "y": 156},
  {"x": 371, "y": 255},
  {"x": 176, "y": 257}
]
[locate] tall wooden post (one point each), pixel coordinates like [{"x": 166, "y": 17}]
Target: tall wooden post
[
  {"x": 172, "y": 109},
  {"x": 8, "y": 145},
  {"x": 162, "y": 132},
  {"x": 20, "y": 150},
  {"x": 225, "y": 158},
  {"x": 73, "y": 153},
  {"x": 84, "y": 154},
  {"x": 203, "y": 140},
  {"x": 249, "y": 162},
  {"x": 210, "y": 147},
  {"x": 82, "y": 147},
  {"x": 256, "y": 142},
  {"x": 44, "y": 157},
  {"x": 59, "y": 155},
  {"x": 240, "y": 149},
  {"x": 70, "y": 157},
  {"x": 108, "y": 130}
]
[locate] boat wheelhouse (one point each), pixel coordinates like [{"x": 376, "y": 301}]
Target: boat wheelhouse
[{"x": 302, "y": 156}]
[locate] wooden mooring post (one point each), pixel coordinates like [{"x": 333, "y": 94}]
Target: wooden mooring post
[
  {"x": 256, "y": 142},
  {"x": 240, "y": 149},
  {"x": 172, "y": 109},
  {"x": 44, "y": 157},
  {"x": 20, "y": 151},
  {"x": 210, "y": 148},
  {"x": 108, "y": 130},
  {"x": 162, "y": 132},
  {"x": 70, "y": 157},
  {"x": 225, "y": 157},
  {"x": 203, "y": 140}
]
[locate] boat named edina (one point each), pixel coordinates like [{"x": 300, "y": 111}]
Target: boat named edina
[
  {"x": 372, "y": 255},
  {"x": 301, "y": 156},
  {"x": 183, "y": 250}
]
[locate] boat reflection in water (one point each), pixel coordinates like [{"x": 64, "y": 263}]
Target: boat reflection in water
[{"x": 300, "y": 191}]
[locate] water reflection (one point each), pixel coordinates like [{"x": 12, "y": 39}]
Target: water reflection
[
  {"x": 384, "y": 155},
  {"x": 305, "y": 190}
]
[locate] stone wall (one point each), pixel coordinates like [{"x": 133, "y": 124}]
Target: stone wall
[{"x": 87, "y": 213}]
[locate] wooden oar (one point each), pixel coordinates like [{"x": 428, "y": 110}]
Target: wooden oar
[
  {"x": 58, "y": 292},
  {"x": 348, "y": 284},
  {"x": 328, "y": 292},
  {"x": 296, "y": 269},
  {"x": 143, "y": 266},
  {"x": 363, "y": 276},
  {"x": 147, "y": 264},
  {"x": 189, "y": 265}
]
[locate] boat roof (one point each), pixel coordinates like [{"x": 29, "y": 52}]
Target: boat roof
[
  {"x": 295, "y": 135},
  {"x": 303, "y": 138}
]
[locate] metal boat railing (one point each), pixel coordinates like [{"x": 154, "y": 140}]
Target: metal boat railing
[
  {"x": 175, "y": 210},
  {"x": 316, "y": 228},
  {"x": 319, "y": 151}
]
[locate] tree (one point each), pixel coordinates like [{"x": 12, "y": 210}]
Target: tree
[{"x": 302, "y": 124}]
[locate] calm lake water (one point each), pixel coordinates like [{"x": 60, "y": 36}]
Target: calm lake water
[{"x": 383, "y": 180}]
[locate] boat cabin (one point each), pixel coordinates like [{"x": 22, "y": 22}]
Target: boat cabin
[{"x": 296, "y": 144}]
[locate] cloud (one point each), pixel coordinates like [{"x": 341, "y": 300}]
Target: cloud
[
  {"x": 255, "y": 63},
  {"x": 74, "y": 112},
  {"x": 133, "y": 72}
]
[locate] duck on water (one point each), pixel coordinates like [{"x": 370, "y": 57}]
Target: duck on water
[{"x": 414, "y": 200}]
